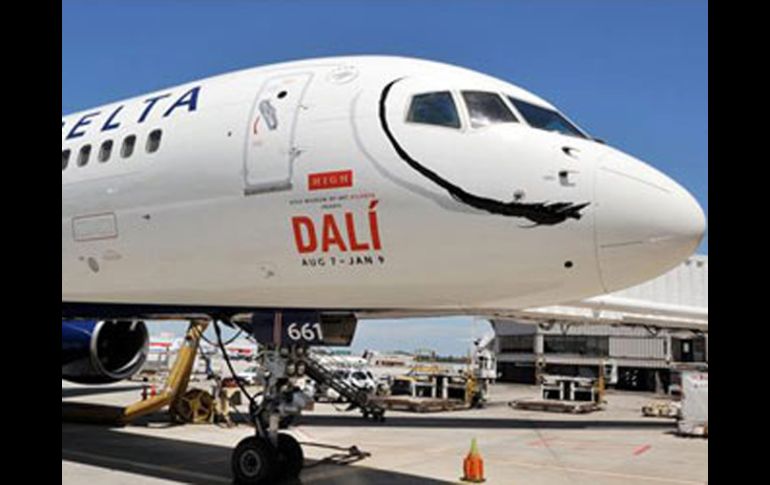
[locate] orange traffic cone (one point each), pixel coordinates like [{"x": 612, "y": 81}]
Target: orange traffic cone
[{"x": 473, "y": 465}]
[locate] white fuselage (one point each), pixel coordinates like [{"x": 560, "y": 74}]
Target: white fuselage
[{"x": 290, "y": 186}]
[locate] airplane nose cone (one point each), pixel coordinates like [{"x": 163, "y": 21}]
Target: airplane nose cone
[{"x": 646, "y": 223}]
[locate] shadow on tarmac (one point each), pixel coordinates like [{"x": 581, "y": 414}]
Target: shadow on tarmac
[
  {"x": 197, "y": 463},
  {"x": 70, "y": 392},
  {"x": 355, "y": 421}
]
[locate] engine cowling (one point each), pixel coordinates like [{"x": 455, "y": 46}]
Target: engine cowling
[{"x": 102, "y": 352}]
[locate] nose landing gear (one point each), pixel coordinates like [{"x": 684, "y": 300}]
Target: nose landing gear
[{"x": 272, "y": 456}]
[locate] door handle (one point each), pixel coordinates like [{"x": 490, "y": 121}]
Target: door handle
[{"x": 269, "y": 114}]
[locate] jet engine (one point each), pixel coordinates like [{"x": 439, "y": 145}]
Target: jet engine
[{"x": 102, "y": 352}]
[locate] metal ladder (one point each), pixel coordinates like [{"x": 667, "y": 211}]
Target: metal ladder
[{"x": 355, "y": 396}]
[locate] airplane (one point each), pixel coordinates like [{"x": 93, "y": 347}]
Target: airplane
[{"x": 343, "y": 188}]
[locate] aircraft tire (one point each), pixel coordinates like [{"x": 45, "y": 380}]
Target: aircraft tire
[
  {"x": 290, "y": 458},
  {"x": 253, "y": 462}
]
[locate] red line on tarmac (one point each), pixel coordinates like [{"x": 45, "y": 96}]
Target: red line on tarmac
[
  {"x": 641, "y": 449},
  {"x": 635, "y": 478}
]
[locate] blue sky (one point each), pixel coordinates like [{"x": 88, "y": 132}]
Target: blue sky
[{"x": 634, "y": 73}]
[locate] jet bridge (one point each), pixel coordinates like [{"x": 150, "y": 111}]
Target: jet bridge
[{"x": 677, "y": 300}]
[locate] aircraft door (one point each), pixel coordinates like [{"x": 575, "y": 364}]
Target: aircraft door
[{"x": 270, "y": 150}]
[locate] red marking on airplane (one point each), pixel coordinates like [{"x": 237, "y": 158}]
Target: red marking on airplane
[
  {"x": 330, "y": 180},
  {"x": 339, "y": 233}
]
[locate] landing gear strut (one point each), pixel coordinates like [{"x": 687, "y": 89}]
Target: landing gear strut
[{"x": 273, "y": 456}]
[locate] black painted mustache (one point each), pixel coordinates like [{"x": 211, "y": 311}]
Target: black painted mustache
[{"x": 540, "y": 213}]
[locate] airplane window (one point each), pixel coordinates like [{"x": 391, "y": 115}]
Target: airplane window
[
  {"x": 85, "y": 154},
  {"x": 434, "y": 109},
  {"x": 65, "y": 159},
  {"x": 546, "y": 119},
  {"x": 153, "y": 141},
  {"x": 105, "y": 151},
  {"x": 128, "y": 146},
  {"x": 486, "y": 109}
]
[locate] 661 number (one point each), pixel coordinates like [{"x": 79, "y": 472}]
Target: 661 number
[{"x": 308, "y": 332}]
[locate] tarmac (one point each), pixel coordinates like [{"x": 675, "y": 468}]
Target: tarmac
[{"x": 616, "y": 446}]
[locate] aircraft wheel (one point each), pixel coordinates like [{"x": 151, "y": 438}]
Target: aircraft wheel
[
  {"x": 290, "y": 458},
  {"x": 253, "y": 462}
]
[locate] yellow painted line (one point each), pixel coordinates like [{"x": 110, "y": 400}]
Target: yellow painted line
[
  {"x": 606, "y": 473},
  {"x": 143, "y": 466}
]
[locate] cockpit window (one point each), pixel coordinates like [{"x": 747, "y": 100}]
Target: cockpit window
[
  {"x": 487, "y": 109},
  {"x": 434, "y": 109},
  {"x": 545, "y": 119}
]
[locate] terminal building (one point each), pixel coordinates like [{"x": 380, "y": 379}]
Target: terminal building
[{"x": 620, "y": 333}]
